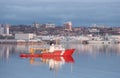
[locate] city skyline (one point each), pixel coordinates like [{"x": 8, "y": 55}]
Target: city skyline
[{"x": 87, "y": 12}]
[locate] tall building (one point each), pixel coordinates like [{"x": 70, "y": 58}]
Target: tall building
[
  {"x": 4, "y": 29},
  {"x": 68, "y": 26},
  {"x": 1, "y": 29}
]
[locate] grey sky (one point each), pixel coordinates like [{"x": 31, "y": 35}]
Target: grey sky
[{"x": 85, "y": 12}]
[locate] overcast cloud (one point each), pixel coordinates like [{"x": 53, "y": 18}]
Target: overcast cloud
[{"x": 85, "y": 12}]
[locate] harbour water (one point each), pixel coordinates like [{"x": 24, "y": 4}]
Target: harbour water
[{"x": 88, "y": 61}]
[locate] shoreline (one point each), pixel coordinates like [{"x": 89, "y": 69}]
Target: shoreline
[
  {"x": 39, "y": 42},
  {"x": 20, "y": 42}
]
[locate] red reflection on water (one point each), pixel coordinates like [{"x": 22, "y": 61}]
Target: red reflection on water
[{"x": 54, "y": 62}]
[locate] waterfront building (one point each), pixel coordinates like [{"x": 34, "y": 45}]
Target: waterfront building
[
  {"x": 24, "y": 36},
  {"x": 115, "y": 37}
]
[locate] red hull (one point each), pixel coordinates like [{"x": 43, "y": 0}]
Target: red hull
[{"x": 67, "y": 52}]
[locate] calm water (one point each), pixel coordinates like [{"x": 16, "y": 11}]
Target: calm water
[{"x": 88, "y": 61}]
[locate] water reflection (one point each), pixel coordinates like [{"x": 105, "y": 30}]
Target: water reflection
[
  {"x": 97, "y": 49},
  {"x": 92, "y": 49},
  {"x": 6, "y": 50},
  {"x": 55, "y": 63},
  {"x": 105, "y": 65}
]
